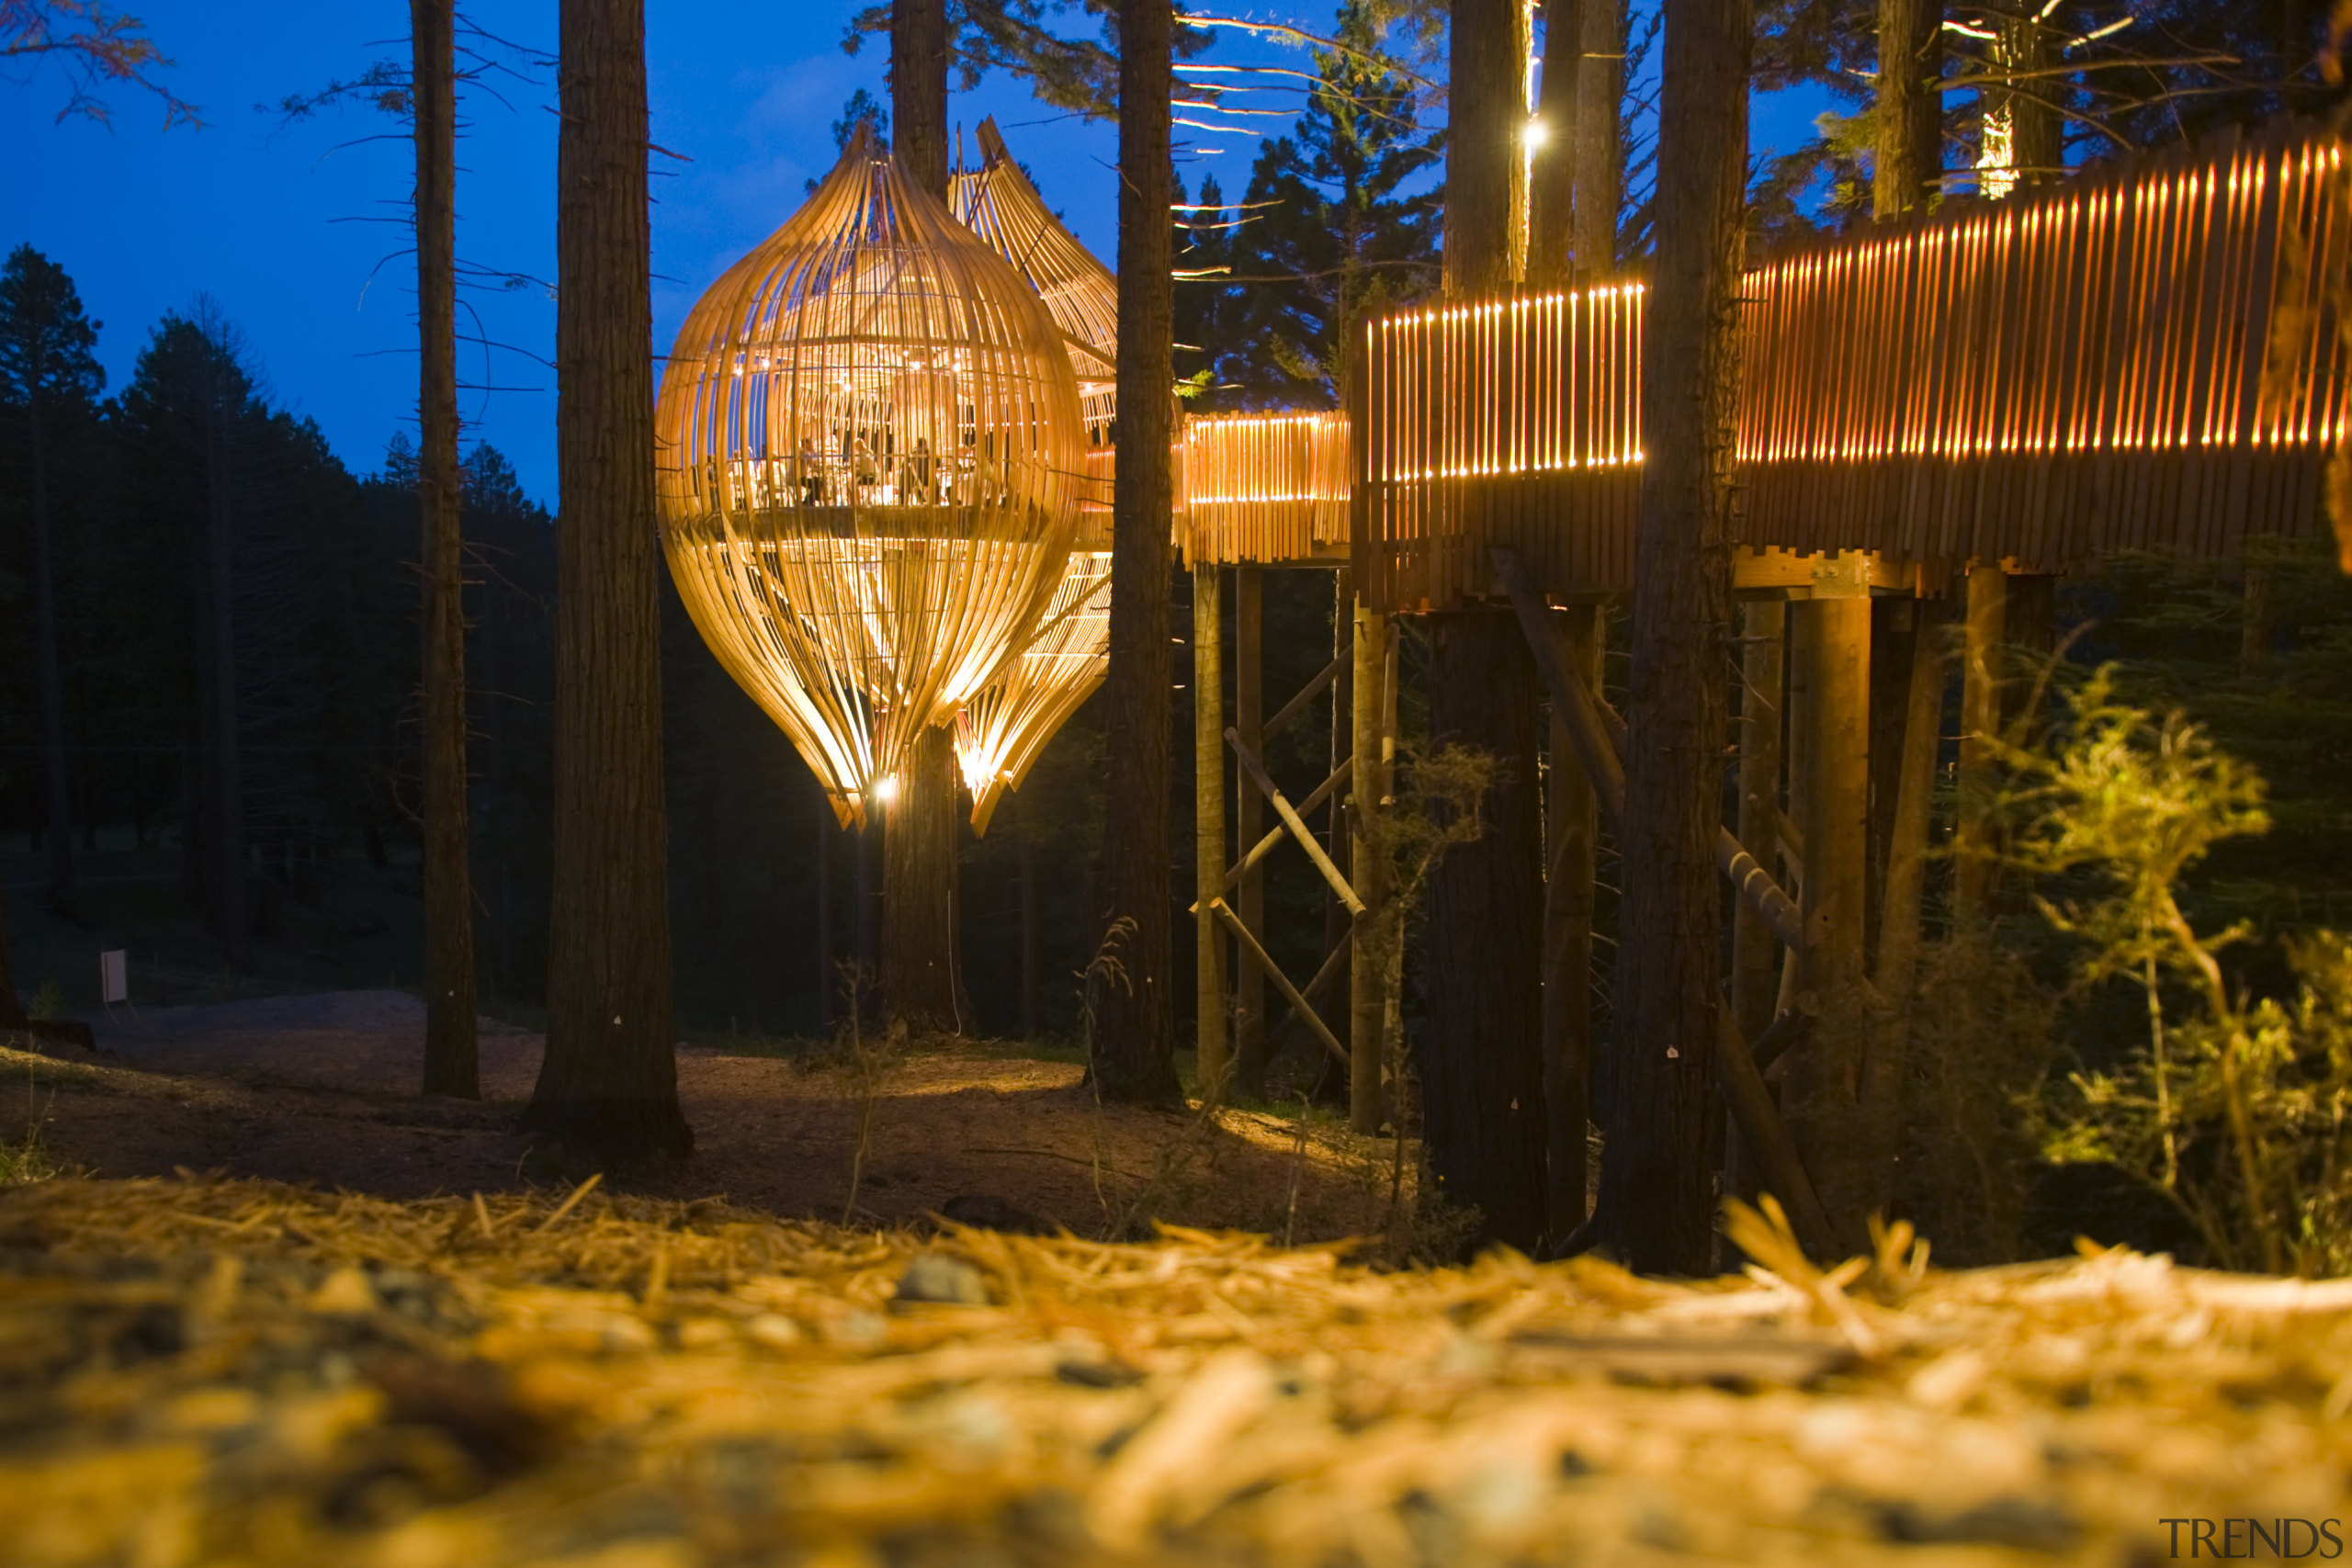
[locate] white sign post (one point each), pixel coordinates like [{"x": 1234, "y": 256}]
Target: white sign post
[{"x": 113, "y": 976}]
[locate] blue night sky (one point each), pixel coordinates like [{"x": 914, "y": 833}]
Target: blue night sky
[{"x": 285, "y": 226}]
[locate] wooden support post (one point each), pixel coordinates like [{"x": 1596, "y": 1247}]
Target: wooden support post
[
  {"x": 1571, "y": 826},
  {"x": 1830, "y": 651},
  {"x": 1339, "y": 930},
  {"x": 1755, "y": 958},
  {"x": 1212, "y": 1061},
  {"x": 1370, "y": 958},
  {"x": 1907, "y": 852},
  {"x": 1249, "y": 810},
  {"x": 1980, "y": 719}
]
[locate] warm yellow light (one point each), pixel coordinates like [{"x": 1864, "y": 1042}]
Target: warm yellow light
[
  {"x": 1537, "y": 133},
  {"x": 885, "y": 788}
]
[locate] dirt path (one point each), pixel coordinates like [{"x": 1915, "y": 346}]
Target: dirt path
[{"x": 318, "y": 1089}]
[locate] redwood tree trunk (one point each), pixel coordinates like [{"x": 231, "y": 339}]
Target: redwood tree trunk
[
  {"x": 449, "y": 1046},
  {"x": 1910, "y": 112},
  {"x": 1485, "y": 167},
  {"x": 608, "y": 1084},
  {"x": 919, "y": 91},
  {"x": 1600, "y": 149},
  {"x": 1551, "y": 239},
  {"x": 1129, "y": 985},
  {"x": 1656, "y": 1199},
  {"x": 1481, "y": 1063},
  {"x": 921, "y": 989}
]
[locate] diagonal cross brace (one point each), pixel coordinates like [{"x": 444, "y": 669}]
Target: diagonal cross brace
[
  {"x": 1257, "y": 956},
  {"x": 1265, "y": 846},
  {"x": 1291, "y": 819},
  {"x": 1600, "y": 736}
]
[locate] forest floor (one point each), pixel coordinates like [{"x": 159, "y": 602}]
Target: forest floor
[{"x": 318, "y": 1089}]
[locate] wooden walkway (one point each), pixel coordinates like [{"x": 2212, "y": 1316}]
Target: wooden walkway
[{"x": 2146, "y": 356}]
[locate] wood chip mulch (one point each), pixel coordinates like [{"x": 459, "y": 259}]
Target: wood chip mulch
[{"x": 205, "y": 1372}]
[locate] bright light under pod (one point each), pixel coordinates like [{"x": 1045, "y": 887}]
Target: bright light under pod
[
  {"x": 870, "y": 461},
  {"x": 1005, "y": 727}
]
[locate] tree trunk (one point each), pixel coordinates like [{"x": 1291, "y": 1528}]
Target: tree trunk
[
  {"x": 1486, "y": 165},
  {"x": 828, "y": 975},
  {"x": 919, "y": 91},
  {"x": 1551, "y": 168},
  {"x": 1600, "y": 149},
  {"x": 1656, "y": 1199},
  {"x": 1130, "y": 985},
  {"x": 1572, "y": 825},
  {"x": 1335, "y": 1007},
  {"x": 608, "y": 1085},
  {"x": 449, "y": 1046},
  {"x": 230, "y": 907},
  {"x": 920, "y": 989},
  {"x": 922, "y": 834},
  {"x": 1481, "y": 1062},
  {"x": 1910, "y": 112},
  {"x": 12, "y": 1007},
  {"x": 1032, "y": 966}
]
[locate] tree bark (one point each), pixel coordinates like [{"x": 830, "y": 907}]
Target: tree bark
[
  {"x": 1486, "y": 167},
  {"x": 921, "y": 989},
  {"x": 828, "y": 974},
  {"x": 607, "y": 1086},
  {"x": 1909, "y": 156},
  {"x": 1899, "y": 937},
  {"x": 921, "y": 835},
  {"x": 1130, "y": 983},
  {"x": 1373, "y": 959},
  {"x": 919, "y": 91},
  {"x": 1482, "y": 1059},
  {"x": 1571, "y": 824},
  {"x": 450, "y": 1065},
  {"x": 1600, "y": 148},
  {"x": 1551, "y": 168},
  {"x": 1656, "y": 1200},
  {"x": 12, "y": 1007}
]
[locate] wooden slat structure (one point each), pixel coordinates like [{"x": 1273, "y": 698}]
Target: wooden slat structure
[
  {"x": 1261, "y": 489},
  {"x": 2033, "y": 381},
  {"x": 869, "y": 464}
]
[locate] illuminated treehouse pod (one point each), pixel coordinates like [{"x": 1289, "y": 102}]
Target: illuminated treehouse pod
[
  {"x": 1003, "y": 731},
  {"x": 870, "y": 461}
]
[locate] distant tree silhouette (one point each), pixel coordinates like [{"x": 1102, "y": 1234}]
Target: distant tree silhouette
[{"x": 49, "y": 381}]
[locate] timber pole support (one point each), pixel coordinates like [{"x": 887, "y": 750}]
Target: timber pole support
[
  {"x": 1830, "y": 653},
  {"x": 1369, "y": 960},
  {"x": 1213, "y": 1062},
  {"x": 1249, "y": 719},
  {"x": 1755, "y": 951},
  {"x": 1980, "y": 722},
  {"x": 1571, "y": 829}
]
